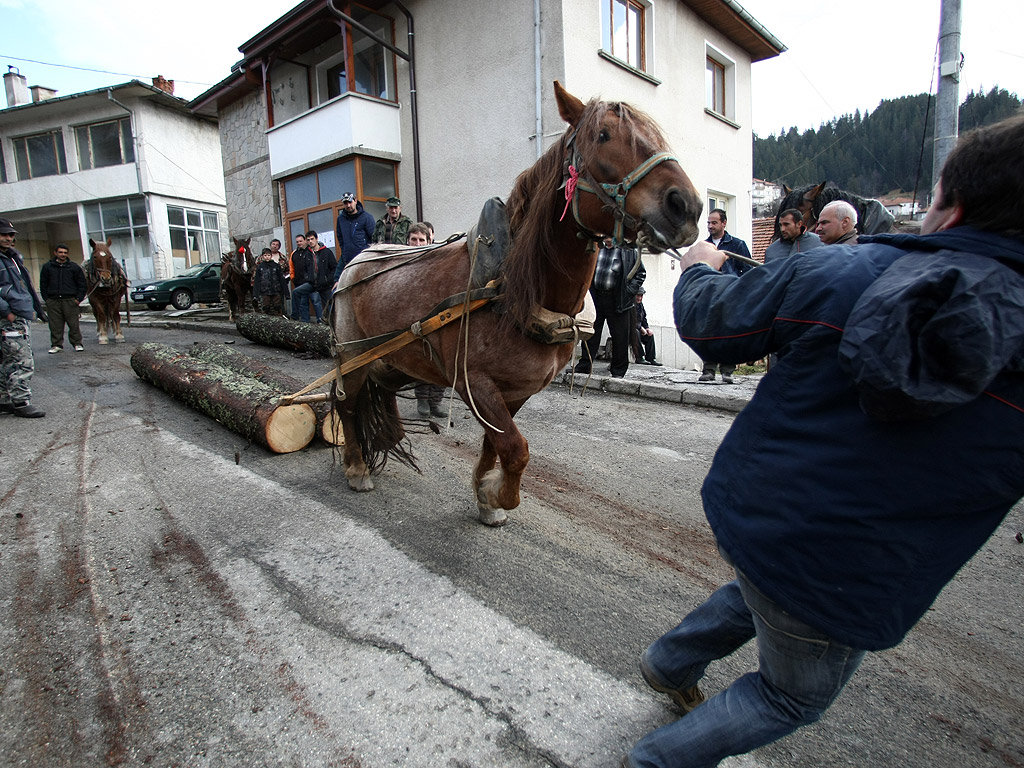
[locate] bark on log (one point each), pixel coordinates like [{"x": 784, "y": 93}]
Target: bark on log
[
  {"x": 327, "y": 422},
  {"x": 280, "y": 332},
  {"x": 243, "y": 405}
]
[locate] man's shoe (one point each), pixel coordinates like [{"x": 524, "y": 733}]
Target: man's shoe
[
  {"x": 27, "y": 411},
  {"x": 706, "y": 377},
  {"x": 687, "y": 699},
  {"x": 438, "y": 412},
  {"x": 6, "y": 408},
  {"x": 80, "y": 348},
  {"x": 726, "y": 378},
  {"x": 423, "y": 408},
  {"x": 55, "y": 350},
  {"x": 581, "y": 369},
  {"x": 653, "y": 362}
]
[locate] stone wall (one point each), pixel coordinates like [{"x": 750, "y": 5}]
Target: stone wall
[{"x": 252, "y": 200}]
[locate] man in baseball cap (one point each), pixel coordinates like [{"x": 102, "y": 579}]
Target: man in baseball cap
[
  {"x": 19, "y": 305},
  {"x": 392, "y": 227},
  {"x": 354, "y": 231}
]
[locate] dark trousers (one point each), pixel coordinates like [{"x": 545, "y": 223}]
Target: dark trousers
[
  {"x": 63, "y": 312},
  {"x": 270, "y": 304},
  {"x": 725, "y": 368},
  {"x": 619, "y": 328},
  {"x": 647, "y": 342}
]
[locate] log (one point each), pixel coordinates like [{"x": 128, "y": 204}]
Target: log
[
  {"x": 243, "y": 405},
  {"x": 280, "y": 332},
  {"x": 327, "y": 423}
]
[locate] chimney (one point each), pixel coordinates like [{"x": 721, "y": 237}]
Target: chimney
[
  {"x": 167, "y": 86},
  {"x": 41, "y": 93},
  {"x": 16, "y": 86}
]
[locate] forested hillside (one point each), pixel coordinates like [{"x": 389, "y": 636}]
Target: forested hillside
[{"x": 876, "y": 153}]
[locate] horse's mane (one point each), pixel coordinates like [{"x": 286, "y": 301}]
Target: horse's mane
[{"x": 537, "y": 200}]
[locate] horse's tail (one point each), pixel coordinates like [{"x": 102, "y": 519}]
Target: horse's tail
[{"x": 378, "y": 427}]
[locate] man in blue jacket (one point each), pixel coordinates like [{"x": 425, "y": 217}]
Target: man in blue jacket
[
  {"x": 354, "y": 230},
  {"x": 723, "y": 241},
  {"x": 901, "y": 371}
]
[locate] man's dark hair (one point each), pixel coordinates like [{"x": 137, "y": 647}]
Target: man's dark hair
[
  {"x": 794, "y": 214},
  {"x": 720, "y": 212},
  {"x": 61, "y": 246},
  {"x": 420, "y": 227},
  {"x": 275, "y": 240},
  {"x": 983, "y": 176},
  {"x": 312, "y": 233}
]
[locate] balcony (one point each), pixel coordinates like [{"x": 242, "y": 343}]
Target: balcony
[{"x": 348, "y": 124}]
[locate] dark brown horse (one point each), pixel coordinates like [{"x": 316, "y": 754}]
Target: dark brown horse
[
  {"x": 611, "y": 160},
  {"x": 236, "y": 278},
  {"x": 872, "y": 216},
  {"x": 105, "y": 282}
]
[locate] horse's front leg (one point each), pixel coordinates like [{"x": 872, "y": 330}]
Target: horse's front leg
[
  {"x": 115, "y": 321},
  {"x": 497, "y": 488},
  {"x": 101, "y": 327}
]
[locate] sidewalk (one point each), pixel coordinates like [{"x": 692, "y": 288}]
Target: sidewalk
[{"x": 669, "y": 385}]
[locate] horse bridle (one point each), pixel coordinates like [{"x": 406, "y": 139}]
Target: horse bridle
[{"x": 576, "y": 178}]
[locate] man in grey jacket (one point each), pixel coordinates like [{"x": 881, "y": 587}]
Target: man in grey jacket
[
  {"x": 19, "y": 305},
  {"x": 793, "y": 237}
]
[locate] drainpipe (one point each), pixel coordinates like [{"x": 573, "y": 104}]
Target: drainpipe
[
  {"x": 410, "y": 58},
  {"x": 538, "y": 114},
  {"x": 138, "y": 177}
]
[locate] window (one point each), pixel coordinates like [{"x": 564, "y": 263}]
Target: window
[
  {"x": 124, "y": 221},
  {"x": 718, "y": 200},
  {"x": 40, "y": 155},
  {"x": 195, "y": 236},
  {"x": 719, "y": 84},
  {"x": 351, "y": 62},
  {"x": 374, "y": 64},
  {"x": 313, "y": 200},
  {"x": 3, "y": 167},
  {"x": 103, "y": 144},
  {"x": 622, "y": 31}
]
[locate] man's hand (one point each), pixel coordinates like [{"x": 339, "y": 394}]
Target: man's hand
[{"x": 703, "y": 251}]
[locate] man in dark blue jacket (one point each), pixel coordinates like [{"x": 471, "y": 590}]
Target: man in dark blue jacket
[
  {"x": 354, "y": 230},
  {"x": 723, "y": 241},
  {"x": 890, "y": 445}
]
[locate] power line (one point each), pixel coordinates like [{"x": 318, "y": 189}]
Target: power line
[{"x": 98, "y": 71}]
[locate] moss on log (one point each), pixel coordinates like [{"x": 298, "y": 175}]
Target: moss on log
[
  {"x": 327, "y": 422},
  {"x": 280, "y": 332},
  {"x": 243, "y": 405}
]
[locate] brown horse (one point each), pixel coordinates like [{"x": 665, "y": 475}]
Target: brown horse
[
  {"x": 609, "y": 151},
  {"x": 236, "y": 278},
  {"x": 105, "y": 282}
]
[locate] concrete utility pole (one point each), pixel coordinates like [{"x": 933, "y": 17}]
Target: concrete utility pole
[{"x": 947, "y": 102}]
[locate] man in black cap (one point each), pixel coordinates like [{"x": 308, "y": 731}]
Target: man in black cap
[
  {"x": 19, "y": 305},
  {"x": 392, "y": 227},
  {"x": 354, "y": 229}
]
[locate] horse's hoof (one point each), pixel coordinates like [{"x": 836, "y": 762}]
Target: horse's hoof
[
  {"x": 492, "y": 516},
  {"x": 103, "y": 341},
  {"x": 360, "y": 483},
  {"x": 119, "y": 340}
]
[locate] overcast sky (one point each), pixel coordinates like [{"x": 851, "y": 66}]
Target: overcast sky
[{"x": 841, "y": 57}]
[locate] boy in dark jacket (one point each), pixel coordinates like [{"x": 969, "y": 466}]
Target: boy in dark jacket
[
  {"x": 889, "y": 439},
  {"x": 267, "y": 284}
]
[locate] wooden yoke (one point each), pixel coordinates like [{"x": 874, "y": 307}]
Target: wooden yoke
[{"x": 417, "y": 331}]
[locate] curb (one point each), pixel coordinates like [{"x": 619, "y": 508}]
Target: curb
[{"x": 683, "y": 394}]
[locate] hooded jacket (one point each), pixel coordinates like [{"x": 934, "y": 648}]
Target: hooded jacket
[
  {"x": 887, "y": 444},
  {"x": 354, "y": 232},
  {"x": 17, "y": 295}
]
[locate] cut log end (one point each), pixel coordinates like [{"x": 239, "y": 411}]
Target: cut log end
[
  {"x": 330, "y": 429},
  {"x": 290, "y": 428}
]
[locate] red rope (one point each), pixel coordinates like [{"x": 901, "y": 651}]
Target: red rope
[{"x": 570, "y": 188}]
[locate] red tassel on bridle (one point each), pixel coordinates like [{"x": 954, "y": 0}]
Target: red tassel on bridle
[{"x": 570, "y": 189}]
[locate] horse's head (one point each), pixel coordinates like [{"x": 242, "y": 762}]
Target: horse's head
[
  {"x": 102, "y": 263},
  {"x": 244, "y": 261},
  {"x": 806, "y": 200},
  {"x": 627, "y": 183}
]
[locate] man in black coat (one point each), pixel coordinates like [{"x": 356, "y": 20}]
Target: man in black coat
[{"x": 62, "y": 285}]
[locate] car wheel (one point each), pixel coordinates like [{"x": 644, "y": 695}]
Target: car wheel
[{"x": 181, "y": 299}]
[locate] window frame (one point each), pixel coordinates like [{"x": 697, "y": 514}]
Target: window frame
[
  {"x": 641, "y": 35},
  {"x": 200, "y": 230},
  {"x": 725, "y": 91},
  {"x": 23, "y": 158},
  {"x": 126, "y": 143}
]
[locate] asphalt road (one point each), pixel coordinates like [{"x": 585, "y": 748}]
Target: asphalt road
[{"x": 173, "y": 596}]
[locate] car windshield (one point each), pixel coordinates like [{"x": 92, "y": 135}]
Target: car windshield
[{"x": 193, "y": 271}]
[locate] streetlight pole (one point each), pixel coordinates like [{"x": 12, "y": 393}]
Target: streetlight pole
[{"x": 947, "y": 103}]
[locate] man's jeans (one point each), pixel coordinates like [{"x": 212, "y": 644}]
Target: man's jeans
[
  {"x": 300, "y": 303},
  {"x": 801, "y": 673}
]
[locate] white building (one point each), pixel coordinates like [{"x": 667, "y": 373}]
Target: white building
[
  {"x": 128, "y": 162},
  {"x": 444, "y": 103}
]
